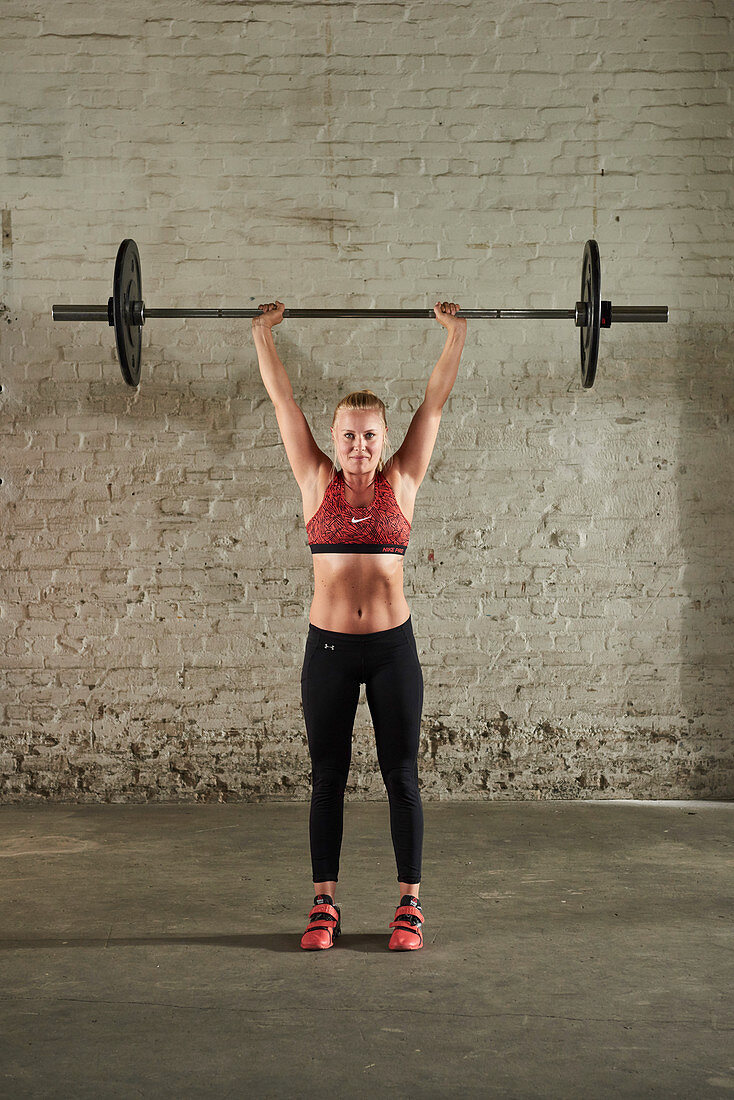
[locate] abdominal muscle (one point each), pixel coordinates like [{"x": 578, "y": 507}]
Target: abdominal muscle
[{"x": 358, "y": 593}]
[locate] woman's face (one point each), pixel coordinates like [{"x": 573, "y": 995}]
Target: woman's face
[{"x": 359, "y": 435}]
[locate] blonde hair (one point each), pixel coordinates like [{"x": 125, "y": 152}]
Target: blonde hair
[{"x": 364, "y": 400}]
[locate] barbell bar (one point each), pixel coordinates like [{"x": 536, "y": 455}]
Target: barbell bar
[{"x": 126, "y": 312}]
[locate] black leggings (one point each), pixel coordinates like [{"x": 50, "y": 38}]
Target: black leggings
[{"x": 334, "y": 666}]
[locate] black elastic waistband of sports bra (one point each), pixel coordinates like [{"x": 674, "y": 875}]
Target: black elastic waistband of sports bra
[{"x": 355, "y": 548}]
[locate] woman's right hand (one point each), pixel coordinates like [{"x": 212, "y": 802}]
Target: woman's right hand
[
  {"x": 272, "y": 314},
  {"x": 446, "y": 316}
]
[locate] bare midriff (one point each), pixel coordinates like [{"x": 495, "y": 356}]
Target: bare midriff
[{"x": 359, "y": 593}]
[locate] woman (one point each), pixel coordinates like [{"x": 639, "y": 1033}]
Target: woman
[{"x": 358, "y": 524}]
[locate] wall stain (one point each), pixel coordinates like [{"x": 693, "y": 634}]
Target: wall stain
[{"x": 7, "y": 246}]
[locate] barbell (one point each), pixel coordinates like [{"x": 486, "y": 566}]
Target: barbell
[{"x": 126, "y": 312}]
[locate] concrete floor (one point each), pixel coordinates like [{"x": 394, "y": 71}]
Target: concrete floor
[{"x": 572, "y": 950}]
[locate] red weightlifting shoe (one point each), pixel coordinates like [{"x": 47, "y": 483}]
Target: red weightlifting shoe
[
  {"x": 408, "y": 934},
  {"x": 324, "y": 924}
]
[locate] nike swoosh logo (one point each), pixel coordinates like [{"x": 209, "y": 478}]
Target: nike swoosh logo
[{"x": 359, "y": 520}]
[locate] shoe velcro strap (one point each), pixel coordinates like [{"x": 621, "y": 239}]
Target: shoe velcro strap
[
  {"x": 326, "y": 909},
  {"x": 319, "y": 924},
  {"x": 405, "y": 927},
  {"x": 409, "y": 911}
]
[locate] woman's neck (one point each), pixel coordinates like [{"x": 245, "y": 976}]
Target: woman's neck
[
  {"x": 361, "y": 487},
  {"x": 359, "y": 483}
]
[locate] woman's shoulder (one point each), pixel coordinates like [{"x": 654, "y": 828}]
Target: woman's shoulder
[
  {"x": 391, "y": 472},
  {"x": 327, "y": 480},
  {"x": 313, "y": 496},
  {"x": 402, "y": 488}
]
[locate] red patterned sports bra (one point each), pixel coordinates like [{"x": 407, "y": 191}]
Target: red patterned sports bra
[{"x": 338, "y": 528}]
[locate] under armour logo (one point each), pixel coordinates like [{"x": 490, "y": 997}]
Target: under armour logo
[
  {"x": 327, "y": 646},
  {"x": 360, "y": 520}
]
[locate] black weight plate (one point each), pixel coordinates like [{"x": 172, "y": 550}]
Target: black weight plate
[
  {"x": 126, "y": 289},
  {"x": 591, "y": 297}
]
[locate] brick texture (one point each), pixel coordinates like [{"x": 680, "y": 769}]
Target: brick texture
[{"x": 570, "y": 567}]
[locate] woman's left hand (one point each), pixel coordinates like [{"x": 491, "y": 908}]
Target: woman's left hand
[{"x": 445, "y": 315}]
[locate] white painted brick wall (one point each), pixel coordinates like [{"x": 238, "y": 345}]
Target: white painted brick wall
[{"x": 570, "y": 565}]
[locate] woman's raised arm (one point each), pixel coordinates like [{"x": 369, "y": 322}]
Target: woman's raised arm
[
  {"x": 305, "y": 457},
  {"x": 413, "y": 456}
]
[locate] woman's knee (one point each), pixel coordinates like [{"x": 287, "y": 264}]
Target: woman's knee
[
  {"x": 328, "y": 781},
  {"x": 402, "y": 783}
]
